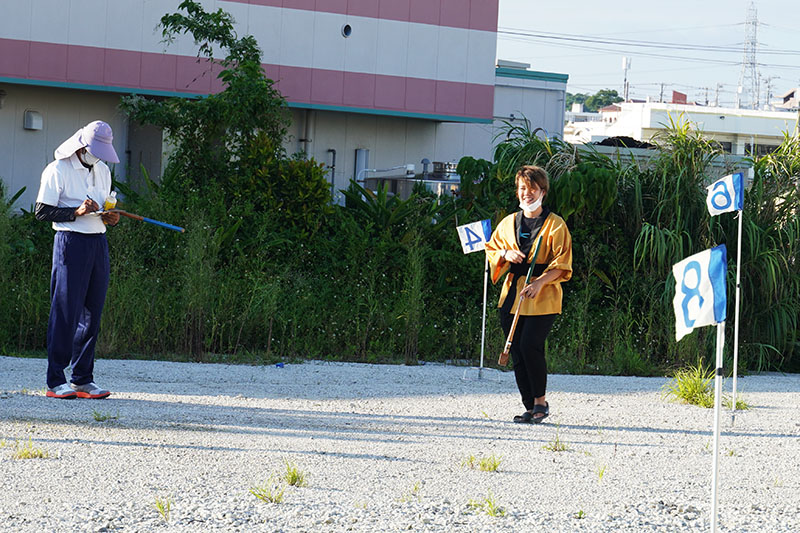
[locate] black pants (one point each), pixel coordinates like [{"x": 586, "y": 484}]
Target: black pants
[{"x": 527, "y": 353}]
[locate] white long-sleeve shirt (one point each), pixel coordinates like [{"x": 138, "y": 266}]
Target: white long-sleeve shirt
[{"x": 67, "y": 183}]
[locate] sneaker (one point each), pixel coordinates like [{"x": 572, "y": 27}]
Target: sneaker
[
  {"x": 90, "y": 390},
  {"x": 63, "y": 392}
]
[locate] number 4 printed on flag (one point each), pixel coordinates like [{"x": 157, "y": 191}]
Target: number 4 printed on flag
[{"x": 475, "y": 235}]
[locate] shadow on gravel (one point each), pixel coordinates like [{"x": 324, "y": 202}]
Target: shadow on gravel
[{"x": 141, "y": 417}]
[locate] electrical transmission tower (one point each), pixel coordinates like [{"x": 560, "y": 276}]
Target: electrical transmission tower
[{"x": 747, "y": 92}]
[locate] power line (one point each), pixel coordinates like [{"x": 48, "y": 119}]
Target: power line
[{"x": 663, "y": 45}]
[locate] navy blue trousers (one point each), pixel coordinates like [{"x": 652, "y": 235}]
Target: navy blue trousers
[{"x": 78, "y": 286}]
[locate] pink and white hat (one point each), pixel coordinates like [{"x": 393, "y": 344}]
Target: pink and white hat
[{"x": 96, "y": 137}]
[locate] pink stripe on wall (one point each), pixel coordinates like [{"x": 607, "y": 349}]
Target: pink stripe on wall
[
  {"x": 456, "y": 13},
  {"x": 14, "y": 58},
  {"x": 123, "y": 68},
  {"x": 48, "y": 61},
  {"x": 469, "y": 14},
  {"x": 425, "y": 12},
  {"x": 450, "y": 97},
  {"x": 359, "y": 89},
  {"x": 420, "y": 95},
  {"x": 182, "y": 74},
  {"x": 85, "y": 65},
  {"x": 327, "y": 86}
]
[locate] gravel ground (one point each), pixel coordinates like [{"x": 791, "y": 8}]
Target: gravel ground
[{"x": 383, "y": 449}]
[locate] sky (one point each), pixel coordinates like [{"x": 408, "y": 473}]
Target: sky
[{"x": 695, "y": 47}]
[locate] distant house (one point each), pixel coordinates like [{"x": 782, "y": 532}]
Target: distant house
[
  {"x": 790, "y": 101},
  {"x": 739, "y": 131}
]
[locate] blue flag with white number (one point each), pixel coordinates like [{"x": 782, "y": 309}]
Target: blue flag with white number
[
  {"x": 700, "y": 290},
  {"x": 474, "y": 236},
  {"x": 726, "y": 194}
]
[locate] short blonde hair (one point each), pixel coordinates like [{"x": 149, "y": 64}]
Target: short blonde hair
[{"x": 531, "y": 174}]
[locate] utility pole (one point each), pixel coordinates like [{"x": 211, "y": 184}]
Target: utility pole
[
  {"x": 661, "y": 94},
  {"x": 716, "y": 95},
  {"x": 768, "y": 91},
  {"x": 626, "y": 64},
  {"x": 706, "y": 88}
]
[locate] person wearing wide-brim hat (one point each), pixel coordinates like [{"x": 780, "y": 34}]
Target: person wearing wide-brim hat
[{"x": 67, "y": 197}]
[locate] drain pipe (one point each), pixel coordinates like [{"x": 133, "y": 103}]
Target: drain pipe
[
  {"x": 307, "y": 134},
  {"x": 332, "y": 168}
]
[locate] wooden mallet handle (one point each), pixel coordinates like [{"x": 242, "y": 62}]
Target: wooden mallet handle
[{"x": 503, "y": 359}]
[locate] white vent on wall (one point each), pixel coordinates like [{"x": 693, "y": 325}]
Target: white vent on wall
[{"x": 32, "y": 120}]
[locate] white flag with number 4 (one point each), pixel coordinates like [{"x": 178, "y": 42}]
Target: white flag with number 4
[{"x": 474, "y": 236}]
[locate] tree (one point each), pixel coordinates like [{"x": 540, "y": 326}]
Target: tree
[
  {"x": 578, "y": 98},
  {"x": 229, "y": 145},
  {"x": 600, "y": 99}
]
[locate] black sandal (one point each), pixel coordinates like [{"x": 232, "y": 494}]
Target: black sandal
[
  {"x": 543, "y": 410},
  {"x": 524, "y": 418}
]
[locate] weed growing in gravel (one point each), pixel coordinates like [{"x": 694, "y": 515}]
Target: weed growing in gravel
[
  {"x": 601, "y": 471},
  {"x": 414, "y": 494},
  {"x": 102, "y": 417},
  {"x": 692, "y": 385},
  {"x": 268, "y": 492},
  {"x": 294, "y": 476},
  {"x": 741, "y": 405},
  {"x": 29, "y": 452},
  {"x": 163, "y": 506},
  {"x": 778, "y": 482},
  {"x": 557, "y": 445},
  {"x": 488, "y": 505},
  {"x": 484, "y": 464},
  {"x": 580, "y": 515},
  {"x": 731, "y": 453}
]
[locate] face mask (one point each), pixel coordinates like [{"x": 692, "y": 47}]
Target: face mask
[
  {"x": 89, "y": 159},
  {"x": 530, "y": 207}
]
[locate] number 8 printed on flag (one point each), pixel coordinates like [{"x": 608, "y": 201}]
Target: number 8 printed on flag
[
  {"x": 726, "y": 194},
  {"x": 700, "y": 290}
]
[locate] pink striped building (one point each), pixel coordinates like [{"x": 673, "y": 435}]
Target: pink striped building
[{"x": 404, "y": 79}]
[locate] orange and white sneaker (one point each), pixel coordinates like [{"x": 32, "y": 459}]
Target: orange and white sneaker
[
  {"x": 90, "y": 390},
  {"x": 63, "y": 392}
]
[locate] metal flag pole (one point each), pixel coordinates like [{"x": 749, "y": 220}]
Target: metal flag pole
[
  {"x": 717, "y": 405},
  {"x": 736, "y": 319},
  {"x": 483, "y": 322}
]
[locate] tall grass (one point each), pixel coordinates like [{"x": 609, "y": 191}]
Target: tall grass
[{"x": 384, "y": 280}]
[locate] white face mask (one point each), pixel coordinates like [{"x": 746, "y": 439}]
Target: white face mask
[
  {"x": 531, "y": 207},
  {"x": 88, "y": 158}
]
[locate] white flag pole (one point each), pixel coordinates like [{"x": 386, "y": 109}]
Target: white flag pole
[
  {"x": 483, "y": 325},
  {"x": 717, "y": 405},
  {"x": 736, "y": 322}
]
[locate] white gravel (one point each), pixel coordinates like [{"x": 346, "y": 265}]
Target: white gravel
[{"x": 383, "y": 447}]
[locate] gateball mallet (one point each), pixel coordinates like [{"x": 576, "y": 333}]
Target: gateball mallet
[{"x": 502, "y": 360}]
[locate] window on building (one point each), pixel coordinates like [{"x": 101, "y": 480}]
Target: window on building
[
  {"x": 725, "y": 147},
  {"x": 761, "y": 149}
]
